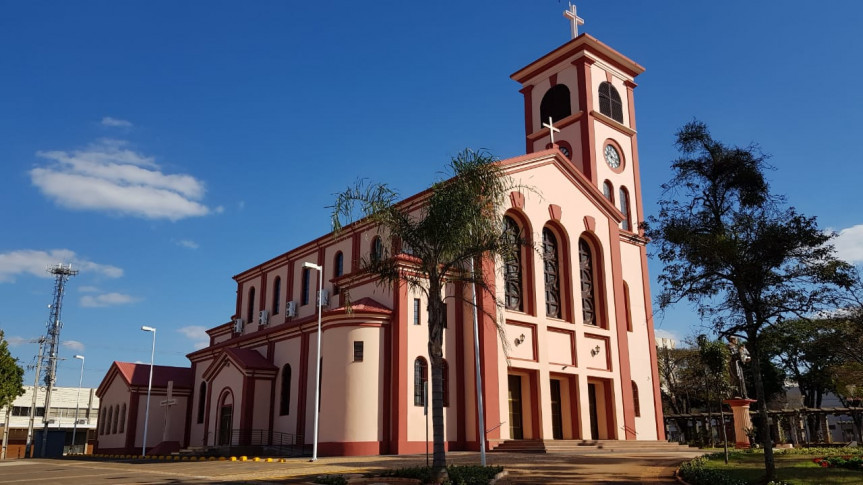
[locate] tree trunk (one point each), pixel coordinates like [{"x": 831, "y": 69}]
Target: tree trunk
[
  {"x": 437, "y": 316},
  {"x": 766, "y": 438}
]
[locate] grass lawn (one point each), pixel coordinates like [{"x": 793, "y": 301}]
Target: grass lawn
[{"x": 796, "y": 469}]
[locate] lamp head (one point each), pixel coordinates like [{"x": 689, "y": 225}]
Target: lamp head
[
  {"x": 79, "y": 357},
  {"x": 148, "y": 329},
  {"x": 311, "y": 265}
]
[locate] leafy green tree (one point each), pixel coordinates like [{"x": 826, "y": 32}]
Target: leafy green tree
[
  {"x": 437, "y": 238},
  {"x": 11, "y": 375},
  {"x": 736, "y": 251}
]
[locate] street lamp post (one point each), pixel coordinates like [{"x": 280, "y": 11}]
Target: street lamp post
[
  {"x": 77, "y": 399},
  {"x": 149, "y": 389},
  {"x": 320, "y": 270}
]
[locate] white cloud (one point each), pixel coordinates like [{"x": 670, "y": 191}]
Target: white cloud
[
  {"x": 73, "y": 345},
  {"x": 108, "y": 121},
  {"x": 107, "y": 299},
  {"x": 16, "y": 341},
  {"x": 849, "y": 244},
  {"x": 36, "y": 262},
  {"x": 88, "y": 289},
  {"x": 186, "y": 243},
  {"x": 197, "y": 334},
  {"x": 108, "y": 176}
]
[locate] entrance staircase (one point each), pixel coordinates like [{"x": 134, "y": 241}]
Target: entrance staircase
[{"x": 590, "y": 446}]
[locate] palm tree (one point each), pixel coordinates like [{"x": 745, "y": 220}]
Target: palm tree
[{"x": 437, "y": 236}]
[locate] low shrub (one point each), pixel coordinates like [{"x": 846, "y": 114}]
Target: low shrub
[
  {"x": 458, "y": 474},
  {"x": 850, "y": 462},
  {"x": 331, "y": 480}
]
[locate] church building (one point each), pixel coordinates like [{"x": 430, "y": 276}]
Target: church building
[{"x": 577, "y": 362}]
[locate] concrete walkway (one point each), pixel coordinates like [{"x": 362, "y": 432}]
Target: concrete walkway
[{"x": 596, "y": 467}]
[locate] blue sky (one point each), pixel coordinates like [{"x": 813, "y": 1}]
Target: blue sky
[{"x": 162, "y": 147}]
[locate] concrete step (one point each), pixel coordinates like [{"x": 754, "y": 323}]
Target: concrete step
[{"x": 581, "y": 446}]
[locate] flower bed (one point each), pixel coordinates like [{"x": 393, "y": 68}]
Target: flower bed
[{"x": 850, "y": 462}]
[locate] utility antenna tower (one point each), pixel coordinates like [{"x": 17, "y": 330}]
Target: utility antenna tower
[{"x": 61, "y": 275}]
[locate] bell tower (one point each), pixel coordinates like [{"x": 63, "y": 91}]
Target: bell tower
[{"x": 580, "y": 96}]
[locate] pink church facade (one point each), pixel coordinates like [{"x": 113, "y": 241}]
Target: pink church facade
[{"x": 577, "y": 361}]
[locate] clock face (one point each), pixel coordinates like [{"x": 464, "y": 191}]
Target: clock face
[
  {"x": 565, "y": 151},
  {"x": 612, "y": 158}
]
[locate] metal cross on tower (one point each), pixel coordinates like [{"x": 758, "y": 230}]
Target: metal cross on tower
[
  {"x": 61, "y": 275},
  {"x": 574, "y": 19},
  {"x": 551, "y": 129}
]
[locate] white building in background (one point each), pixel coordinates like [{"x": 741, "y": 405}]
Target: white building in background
[{"x": 61, "y": 417}]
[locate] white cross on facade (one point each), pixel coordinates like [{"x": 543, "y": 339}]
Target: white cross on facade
[
  {"x": 551, "y": 129},
  {"x": 167, "y": 403},
  {"x": 574, "y": 19}
]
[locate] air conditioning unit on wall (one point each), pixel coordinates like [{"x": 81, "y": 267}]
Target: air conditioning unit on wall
[
  {"x": 290, "y": 309},
  {"x": 324, "y": 296},
  {"x": 263, "y": 317},
  {"x": 238, "y": 325}
]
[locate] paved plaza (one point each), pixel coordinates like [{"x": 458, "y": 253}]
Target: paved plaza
[{"x": 595, "y": 467}]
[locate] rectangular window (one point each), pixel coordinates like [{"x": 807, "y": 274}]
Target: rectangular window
[
  {"x": 304, "y": 297},
  {"x": 416, "y": 311},
  {"x": 358, "y": 351}
]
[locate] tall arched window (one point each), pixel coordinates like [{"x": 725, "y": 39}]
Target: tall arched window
[
  {"x": 377, "y": 249},
  {"x": 285, "y": 401},
  {"x": 588, "y": 283},
  {"x": 123, "y": 418},
  {"x": 250, "y": 310},
  {"x": 627, "y": 306},
  {"x": 626, "y": 225},
  {"x": 444, "y": 368},
  {"x": 608, "y": 191},
  {"x": 277, "y": 292},
  {"x": 420, "y": 379},
  {"x": 202, "y": 401},
  {"x": 555, "y": 104},
  {"x": 338, "y": 269},
  {"x": 115, "y": 419},
  {"x": 635, "y": 402},
  {"x": 512, "y": 265},
  {"x": 551, "y": 270},
  {"x": 102, "y": 421},
  {"x": 609, "y": 102},
  {"x": 304, "y": 295}
]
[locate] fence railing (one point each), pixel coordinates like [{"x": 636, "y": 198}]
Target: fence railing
[{"x": 264, "y": 441}]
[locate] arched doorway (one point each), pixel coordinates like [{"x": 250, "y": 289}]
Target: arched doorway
[{"x": 226, "y": 418}]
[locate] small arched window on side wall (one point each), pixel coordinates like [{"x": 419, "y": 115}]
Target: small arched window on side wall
[
  {"x": 377, "y": 252},
  {"x": 609, "y": 102},
  {"x": 123, "y": 418},
  {"x": 626, "y": 223},
  {"x": 551, "y": 271},
  {"x": 285, "y": 396},
  {"x": 513, "y": 297},
  {"x": 304, "y": 294},
  {"x": 250, "y": 310},
  {"x": 635, "y": 403},
  {"x": 555, "y": 104},
  {"x": 587, "y": 273},
  {"x": 420, "y": 379},
  {"x": 338, "y": 269},
  {"x": 277, "y": 292},
  {"x": 608, "y": 191},
  {"x": 116, "y": 419},
  {"x": 202, "y": 401}
]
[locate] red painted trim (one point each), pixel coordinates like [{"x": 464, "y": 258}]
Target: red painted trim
[
  {"x": 610, "y": 414},
  {"x": 528, "y": 118},
  {"x": 349, "y": 448},
  {"x": 460, "y": 368},
  {"x": 589, "y": 223},
  {"x": 585, "y": 104},
  {"x": 537, "y": 406},
  {"x": 622, "y": 333},
  {"x": 303, "y": 384},
  {"x": 208, "y": 401},
  {"x": 516, "y": 198},
  {"x": 271, "y": 348},
  {"x": 488, "y": 354},
  {"x": 554, "y": 212},
  {"x": 577, "y": 433},
  {"x": 654, "y": 366},
  {"x": 399, "y": 358},
  {"x": 386, "y": 443},
  {"x": 131, "y": 424},
  {"x": 262, "y": 301},
  {"x": 248, "y": 404},
  {"x": 553, "y": 80},
  {"x": 190, "y": 410},
  {"x": 636, "y": 170},
  {"x": 355, "y": 252}
]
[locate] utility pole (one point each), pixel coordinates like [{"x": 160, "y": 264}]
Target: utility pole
[
  {"x": 38, "y": 366},
  {"x": 61, "y": 274}
]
